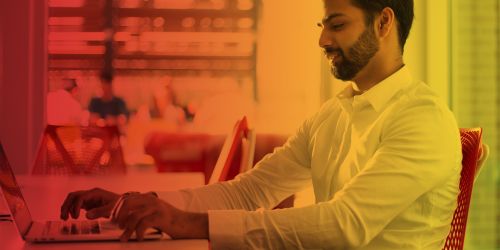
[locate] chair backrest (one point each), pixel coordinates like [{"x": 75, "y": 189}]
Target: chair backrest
[
  {"x": 471, "y": 152},
  {"x": 67, "y": 150},
  {"x": 228, "y": 164}
]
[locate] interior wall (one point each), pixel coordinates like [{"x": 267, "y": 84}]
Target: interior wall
[
  {"x": 1, "y": 55},
  {"x": 415, "y": 53},
  {"x": 438, "y": 47},
  {"x": 288, "y": 64},
  {"x": 427, "y": 51},
  {"x": 23, "y": 80}
]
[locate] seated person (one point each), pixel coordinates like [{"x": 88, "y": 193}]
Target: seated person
[
  {"x": 107, "y": 110},
  {"x": 63, "y": 108},
  {"x": 384, "y": 157},
  {"x": 167, "y": 107}
]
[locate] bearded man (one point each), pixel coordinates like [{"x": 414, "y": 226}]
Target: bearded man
[{"x": 384, "y": 157}]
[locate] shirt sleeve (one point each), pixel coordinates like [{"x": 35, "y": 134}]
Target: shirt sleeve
[
  {"x": 419, "y": 149},
  {"x": 274, "y": 178}
]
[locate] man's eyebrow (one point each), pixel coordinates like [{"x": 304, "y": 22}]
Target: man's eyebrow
[{"x": 326, "y": 19}]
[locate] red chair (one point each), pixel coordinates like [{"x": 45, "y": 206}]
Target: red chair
[
  {"x": 217, "y": 156},
  {"x": 180, "y": 152},
  {"x": 70, "y": 150},
  {"x": 472, "y": 152}
]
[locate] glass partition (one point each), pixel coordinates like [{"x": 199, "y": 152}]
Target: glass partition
[{"x": 475, "y": 84}]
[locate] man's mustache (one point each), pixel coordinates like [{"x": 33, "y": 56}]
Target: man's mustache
[{"x": 330, "y": 52}]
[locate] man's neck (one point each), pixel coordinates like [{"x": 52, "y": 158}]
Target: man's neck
[
  {"x": 376, "y": 71},
  {"x": 107, "y": 97}
]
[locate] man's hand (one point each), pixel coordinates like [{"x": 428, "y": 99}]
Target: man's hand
[
  {"x": 142, "y": 211},
  {"x": 97, "y": 202}
]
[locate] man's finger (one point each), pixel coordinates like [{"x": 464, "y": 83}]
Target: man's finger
[
  {"x": 143, "y": 225},
  {"x": 99, "y": 212},
  {"x": 133, "y": 219},
  {"x": 129, "y": 204},
  {"x": 126, "y": 235},
  {"x": 67, "y": 204},
  {"x": 77, "y": 205},
  {"x": 80, "y": 200}
]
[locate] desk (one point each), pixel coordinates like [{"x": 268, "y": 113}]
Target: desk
[{"x": 45, "y": 194}]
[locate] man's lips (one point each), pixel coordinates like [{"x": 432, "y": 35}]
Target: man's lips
[{"x": 334, "y": 58}]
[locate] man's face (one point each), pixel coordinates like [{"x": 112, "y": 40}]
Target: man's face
[{"x": 348, "y": 43}]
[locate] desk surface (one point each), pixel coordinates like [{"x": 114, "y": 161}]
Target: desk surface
[
  {"x": 44, "y": 195},
  {"x": 10, "y": 240}
]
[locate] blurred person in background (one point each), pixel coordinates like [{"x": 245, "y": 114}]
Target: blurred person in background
[
  {"x": 63, "y": 107},
  {"x": 108, "y": 109},
  {"x": 166, "y": 105}
]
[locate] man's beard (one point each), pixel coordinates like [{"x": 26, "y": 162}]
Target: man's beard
[{"x": 359, "y": 55}]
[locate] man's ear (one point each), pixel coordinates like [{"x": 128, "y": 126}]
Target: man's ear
[{"x": 385, "y": 22}]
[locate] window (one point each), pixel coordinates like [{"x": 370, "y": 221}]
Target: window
[
  {"x": 475, "y": 84},
  {"x": 199, "y": 48}
]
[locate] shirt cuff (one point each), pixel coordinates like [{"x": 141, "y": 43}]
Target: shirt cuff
[
  {"x": 174, "y": 198},
  {"x": 226, "y": 229}
]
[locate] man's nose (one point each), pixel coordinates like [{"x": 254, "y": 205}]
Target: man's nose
[{"x": 325, "y": 40}]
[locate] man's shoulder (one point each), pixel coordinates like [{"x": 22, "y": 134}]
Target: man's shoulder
[
  {"x": 118, "y": 100},
  {"x": 331, "y": 108},
  {"x": 419, "y": 106},
  {"x": 95, "y": 99},
  {"x": 420, "y": 95}
]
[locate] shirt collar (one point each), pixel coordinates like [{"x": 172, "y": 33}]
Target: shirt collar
[
  {"x": 345, "y": 98},
  {"x": 379, "y": 95}
]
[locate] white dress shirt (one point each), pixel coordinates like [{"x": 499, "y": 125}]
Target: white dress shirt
[{"x": 385, "y": 167}]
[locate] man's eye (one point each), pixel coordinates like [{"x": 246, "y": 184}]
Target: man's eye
[{"x": 336, "y": 26}]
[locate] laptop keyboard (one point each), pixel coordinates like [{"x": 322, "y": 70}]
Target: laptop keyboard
[{"x": 73, "y": 227}]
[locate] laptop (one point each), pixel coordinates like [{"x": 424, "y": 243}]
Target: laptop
[
  {"x": 239, "y": 143},
  {"x": 53, "y": 231}
]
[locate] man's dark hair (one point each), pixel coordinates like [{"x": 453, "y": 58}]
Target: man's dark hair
[{"x": 403, "y": 10}]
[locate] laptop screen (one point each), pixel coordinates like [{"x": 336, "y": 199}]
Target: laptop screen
[
  {"x": 13, "y": 196},
  {"x": 227, "y": 156}
]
